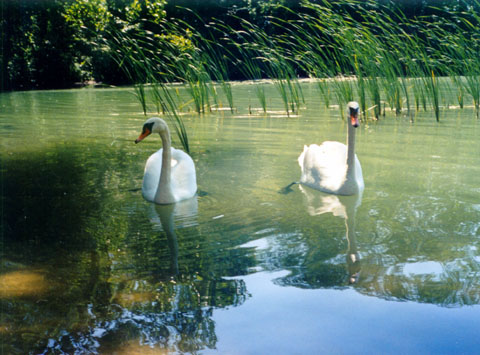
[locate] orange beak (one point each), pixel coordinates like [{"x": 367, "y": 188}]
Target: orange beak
[
  {"x": 142, "y": 136},
  {"x": 354, "y": 118}
]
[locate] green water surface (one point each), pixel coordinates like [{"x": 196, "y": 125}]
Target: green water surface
[{"x": 88, "y": 266}]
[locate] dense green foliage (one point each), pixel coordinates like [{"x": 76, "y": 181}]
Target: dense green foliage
[
  {"x": 58, "y": 43},
  {"x": 37, "y": 50},
  {"x": 61, "y": 43}
]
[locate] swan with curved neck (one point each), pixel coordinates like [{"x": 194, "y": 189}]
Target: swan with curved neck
[
  {"x": 169, "y": 173},
  {"x": 333, "y": 167}
]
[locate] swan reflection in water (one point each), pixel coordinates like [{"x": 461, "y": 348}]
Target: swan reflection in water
[
  {"x": 171, "y": 217},
  {"x": 318, "y": 203}
]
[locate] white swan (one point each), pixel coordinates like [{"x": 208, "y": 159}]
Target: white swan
[
  {"x": 169, "y": 173},
  {"x": 333, "y": 167}
]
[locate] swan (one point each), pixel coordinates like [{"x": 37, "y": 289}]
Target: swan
[
  {"x": 333, "y": 167},
  {"x": 169, "y": 173}
]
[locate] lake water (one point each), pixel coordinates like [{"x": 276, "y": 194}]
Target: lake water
[{"x": 88, "y": 266}]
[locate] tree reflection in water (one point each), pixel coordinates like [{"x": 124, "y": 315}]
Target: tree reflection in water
[
  {"x": 409, "y": 255},
  {"x": 76, "y": 278}
]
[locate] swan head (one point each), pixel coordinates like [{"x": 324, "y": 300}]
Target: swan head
[
  {"x": 353, "y": 110},
  {"x": 152, "y": 125}
]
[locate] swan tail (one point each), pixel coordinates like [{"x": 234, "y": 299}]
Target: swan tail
[{"x": 301, "y": 158}]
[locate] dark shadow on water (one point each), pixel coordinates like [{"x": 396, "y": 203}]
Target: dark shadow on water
[
  {"x": 47, "y": 199},
  {"x": 76, "y": 269},
  {"x": 52, "y": 261},
  {"x": 136, "y": 189}
]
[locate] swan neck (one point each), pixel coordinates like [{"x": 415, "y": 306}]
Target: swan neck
[
  {"x": 353, "y": 257},
  {"x": 350, "y": 204},
  {"x": 351, "y": 239},
  {"x": 350, "y": 151},
  {"x": 166, "y": 157},
  {"x": 164, "y": 191}
]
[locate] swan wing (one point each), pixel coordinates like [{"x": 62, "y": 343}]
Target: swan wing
[
  {"x": 324, "y": 167},
  {"x": 151, "y": 175},
  {"x": 359, "y": 174},
  {"x": 184, "y": 180}
]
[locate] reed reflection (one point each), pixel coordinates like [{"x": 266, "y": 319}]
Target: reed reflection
[{"x": 318, "y": 203}]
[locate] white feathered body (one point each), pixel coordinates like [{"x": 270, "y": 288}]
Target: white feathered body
[
  {"x": 183, "y": 182},
  {"x": 324, "y": 168}
]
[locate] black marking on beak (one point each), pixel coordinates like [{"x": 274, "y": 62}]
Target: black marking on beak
[
  {"x": 354, "y": 116},
  {"x": 146, "y": 131}
]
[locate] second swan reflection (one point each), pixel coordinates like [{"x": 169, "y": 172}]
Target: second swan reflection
[{"x": 318, "y": 203}]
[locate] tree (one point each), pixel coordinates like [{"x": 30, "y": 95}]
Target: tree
[{"x": 36, "y": 47}]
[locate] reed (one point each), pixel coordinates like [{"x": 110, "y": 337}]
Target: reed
[
  {"x": 213, "y": 59},
  {"x": 139, "y": 90},
  {"x": 275, "y": 62},
  {"x": 469, "y": 57},
  {"x": 460, "y": 89},
  {"x": 247, "y": 58},
  {"x": 470, "y": 83},
  {"x": 432, "y": 85},
  {"x": 252, "y": 71},
  {"x": 177, "y": 121},
  {"x": 131, "y": 58},
  {"x": 137, "y": 55},
  {"x": 368, "y": 51},
  {"x": 324, "y": 88},
  {"x": 473, "y": 88},
  {"x": 310, "y": 50},
  {"x": 219, "y": 69}
]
